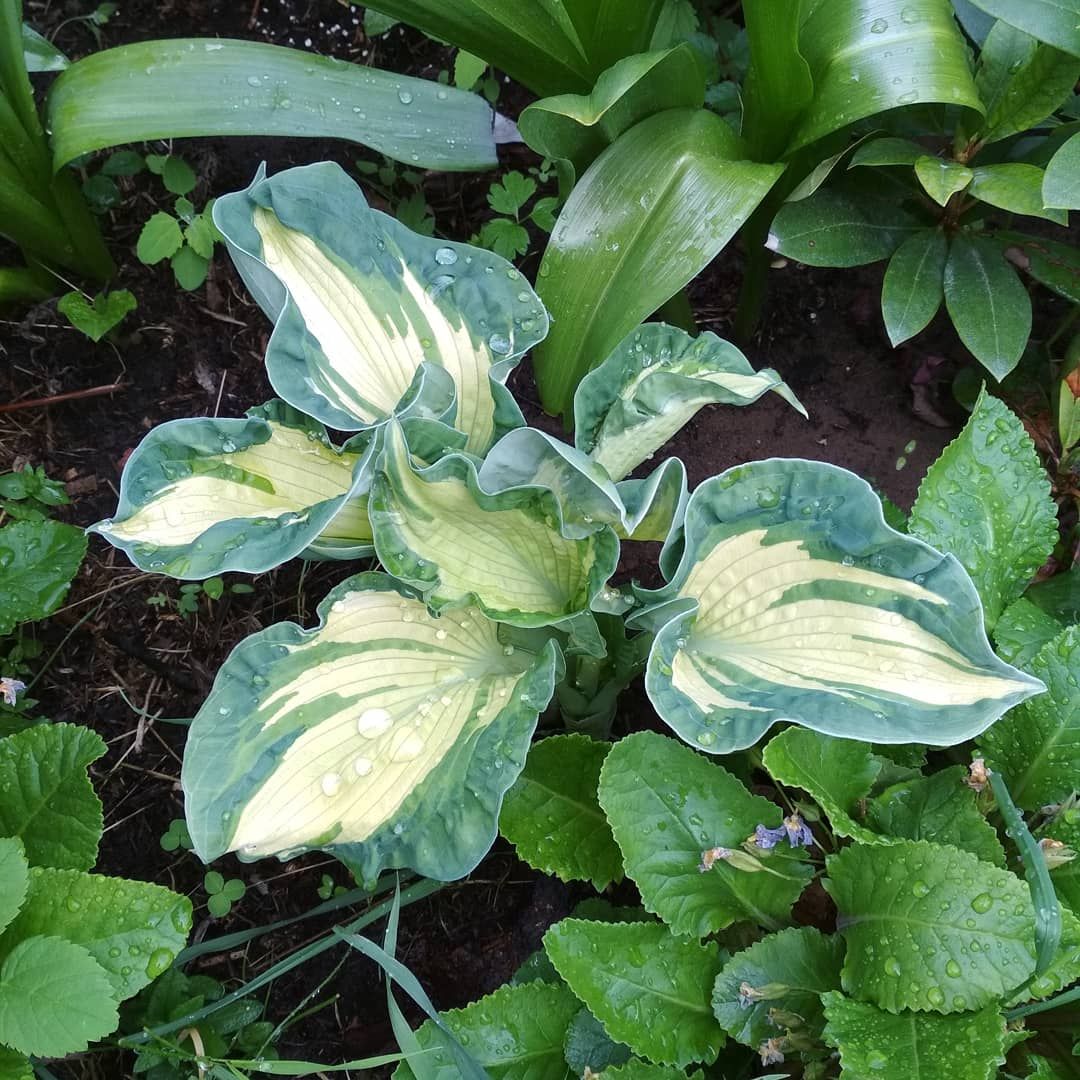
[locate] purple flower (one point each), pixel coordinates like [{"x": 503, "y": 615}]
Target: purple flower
[
  {"x": 767, "y": 838},
  {"x": 10, "y": 689},
  {"x": 771, "y": 1052},
  {"x": 798, "y": 832}
]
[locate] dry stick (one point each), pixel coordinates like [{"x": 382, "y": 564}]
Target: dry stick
[{"x": 72, "y": 395}]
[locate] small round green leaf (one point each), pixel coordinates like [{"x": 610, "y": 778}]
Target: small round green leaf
[{"x": 160, "y": 238}]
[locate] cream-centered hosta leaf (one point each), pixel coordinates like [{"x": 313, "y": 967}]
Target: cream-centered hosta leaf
[
  {"x": 795, "y": 602},
  {"x": 652, "y": 384},
  {"x": 199, "y": 497},
  {"x": 438, "y": 530},
  {"x": 360, "y": 301},
  {"x": 384, "y": 735}
]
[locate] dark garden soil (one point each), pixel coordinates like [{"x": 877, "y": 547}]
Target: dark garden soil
[{"x": 123, "y": 666}]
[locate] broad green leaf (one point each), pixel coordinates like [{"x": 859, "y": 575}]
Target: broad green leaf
[
  {"x": 929, "y": 927},
  {"x": 133, "y": 929},
  {"x": 14, "y": 878},
  {"x": 987, "y": 303},
  {"x": 835, "y": 773},
  {"x": 160, "y": 237},
  {"x": 439, "y": 531},
  {"x": 636, "y": 1069},
  {"x": 650, "y": 989},
  {"x": 986, "y": 500},
  {"x": 96, "y": 317},
  {"x": 589, "y": 1046},
  {"x": 49, "y": 802},
  {"x": 887, "y": 150},
  {"x": 912, "y": 290},
  {"x": 552, "y": 816},
  {"x": 578, "y": 127},
  {"x": 649, "y": 213},
  {"x": 1055, "y": 21},
  {"x": 866, "y": 61},
  {"x": 38, "y": 559},
  {"x": 15, "y": 1066},
  {"x": 835, "y": 228},
  {"x": 204, "y": 496},
  {"x": 1050, "y": 262},
  {"x": 1015, "y": 187},
  {"x": 667, "y": 806},
  {"x": 189, "y": 268},
  {"x": 787, "y": 971},
  {"x": 1037, "y": 746},
  {"x": 384, "y": 735},
  {"x": 55, "y": 998},
  {"x": 940, "y": 807},
  {"x": 515, "y": 1033},
  {"x": 1023, "y": 630},
  {"x": 468, "y": 69},
  {"x": 360, "y": 302},
  {"x": 941, "y": 180},
  {"x": 795, "y": 602},
  {"x": 39, "y": 53},
  {"x": 217, "y": 86},
  {"x": 891, "y": 1046},
  {"x": 1058, "y": 595},
  {"x": 1061, "y": 181},
  {"x": 653, "y": 384}
]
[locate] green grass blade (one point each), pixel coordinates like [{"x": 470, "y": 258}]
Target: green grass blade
[{"x": 199, "y": 87}]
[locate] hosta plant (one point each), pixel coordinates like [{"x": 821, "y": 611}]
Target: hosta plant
[
  {"x": 72, "y": 944},
  {"x": 389, "y": 732}
]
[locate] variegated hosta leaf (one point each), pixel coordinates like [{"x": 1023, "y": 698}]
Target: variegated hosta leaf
[
  {"x": 438, "y": 530},
  {"x": 655, "y": 505},
  {"x": 794, "y": 601},
  {"x": 652, "y": 384},
  {"x": 384, "y": 735},
  {"x": 199, "y": 497},
  {"x": 360, "y": 301}
]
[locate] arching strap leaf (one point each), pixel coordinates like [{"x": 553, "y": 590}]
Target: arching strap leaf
[
  {"x": 439, "y": 531},
  {"x": 359, "y": 302},
  {"x": 794, "y": 601},
  {"x": 652, "y": 384},
  {"x": 200, "y": 497},
  {"x": 384, "y": 735}
]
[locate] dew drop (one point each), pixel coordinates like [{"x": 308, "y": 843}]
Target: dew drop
[
  {"x": 953, "y": 970},
  {"x": 404, "y": 97},
  {"x": 373, "y": 722},
  {"x": 879, "y": 26},
  {"x": 982, "y": 903},
  {"x": 499, "y": 343},
  {"x": 362, "y": 766},
  {"x": 330, "y": 784},
  {"x": 892, "y": 966},
  {"x": 445, "y": 256}
]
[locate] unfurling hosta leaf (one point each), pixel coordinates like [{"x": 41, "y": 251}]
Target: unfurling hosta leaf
[
  {"x": 49, "y": 802},
  {"x": 552, "y": 817},
  {"x": 1023, "y": 630},
  {"x": 835, "y": 773},
  {"x": 38, "y": 559},
  {"x": 439, "y": 531},
  {"x": 667, "y": 806},
  {"x": 650, "y": 989},
  {"x": 360, "y": 302},
  {"x": 987, "y": 501},
  {"x": 384, "y": 735},
  {"x": 794, "y": 601},
  {"x": 987, "y": 303},
  {"x": 515, "y": 1033},
  {"x": 912, "y": 290},
  {"x": 1037, "y": 746},
  {"x": 873, "y": 1043},
  {"x": 201, "y": 497},
  {"x": 941, "y": 808},
  {"x": 131, "y": 928},
  {"x": 787, "y": 971},
  {"x": 653, "y": 383},
  {"x": 577, "y": 127},
  {"x": 14, "y": 879},
  {"x": 929, "y": 927}
]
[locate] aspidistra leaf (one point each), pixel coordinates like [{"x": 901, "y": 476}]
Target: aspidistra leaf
[
  {"x": 360, "y": 302},
  {"x": 201, "y": 497},
  {"x": 667, "y": 806},
  {"x": 439, "y": 531},
  {"x": 652, "y": 384},
  {"x": 987, "y": 501},
  {"x": 929, "y": 927},
  {"x": 794, "y": 601},
  {"x": 384, "y": 735}
]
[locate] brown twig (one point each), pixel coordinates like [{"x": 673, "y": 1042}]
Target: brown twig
[{"x": 72, "y": 395}]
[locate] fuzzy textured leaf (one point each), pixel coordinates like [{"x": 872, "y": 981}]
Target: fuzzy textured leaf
[
  {"x": 666, "y": 805},
  {"x": 552, "y": 816},
  {"x": 650, "y": 989},
  {"x": 987, "y": 501},
  {"x": 14, "y": 879},
  {"x": 930, "y": 927}
]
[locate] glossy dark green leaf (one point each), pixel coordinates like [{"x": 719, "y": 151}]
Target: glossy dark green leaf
[
  {"x": 1054, "y": 21},
  {"x": 1015, "y": 187},
  {"x": 38, "y": 559},
  {"x": 1061, "y": 183},
  {"x": 887, "y": 151},
  {"x": 214, "y": 86},
  {"x": 39, "y": 53},
  {"x": 833, "y": 228},
  {"x": 648, "y": 214},
  {"x": 1023, "y": 630},
  {"x": 987, "y": 303},
  {"x": 913, "y": 288},
  {"x": 940, "y": 179}
]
